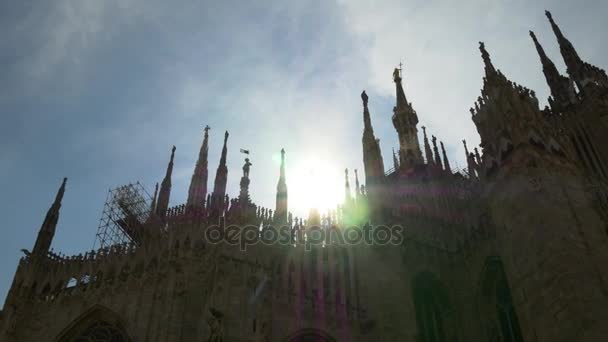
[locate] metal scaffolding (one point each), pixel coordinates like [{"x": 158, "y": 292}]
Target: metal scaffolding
[{"x": 125, "y": 211}]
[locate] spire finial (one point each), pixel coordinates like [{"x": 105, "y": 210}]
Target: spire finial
[
  {"x": 364, "y": 98},
  {"x": 464, "y": 142},
  {"x": 533, "y": 35},
  {"x": 490, "y": 70},
  {"x": 61, "y": 191},
  {"x": 539, "y": 48}
]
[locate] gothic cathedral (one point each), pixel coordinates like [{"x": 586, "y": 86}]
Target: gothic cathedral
[{"x": 513, "y": 248}]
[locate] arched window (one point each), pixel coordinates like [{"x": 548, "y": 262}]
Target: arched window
[
  {"x": 96, "y": 325},
  {"x": 434, "y": 314},
  {"x": 496, "y": 306}
]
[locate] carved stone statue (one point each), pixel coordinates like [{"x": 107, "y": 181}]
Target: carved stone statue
[
  {"x": 246, "y": 168},
  {"x": 396, "y": 76}
]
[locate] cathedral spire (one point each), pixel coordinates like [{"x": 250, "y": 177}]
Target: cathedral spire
[
  {"x": 571, "y": 58},
  {"x": 428, "y": 153},
  {"x": 47, "y": 230},
  {"x": 560, "y": 86},
  {"x": 405, "y": 121},
  {"x": 221, "y": 178},
  {"x": 489, "y": 67},
  {"x": 580, "y": 72},
  {"x": 399, "y": 93},
  {"x": 446, "y": 162},
  {"x": 372, "y": 158},
  {"x": 436, "y": 150},
  {"x": 280, "y": 211},
  {"x": 198, "y": 185},
  {"x": 162, "y": 203}
]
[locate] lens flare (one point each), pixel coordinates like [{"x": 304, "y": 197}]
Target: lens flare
[{"x": 314, "y": 183}]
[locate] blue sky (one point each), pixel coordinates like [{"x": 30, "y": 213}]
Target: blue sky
[{"x": 99, "y": 91}]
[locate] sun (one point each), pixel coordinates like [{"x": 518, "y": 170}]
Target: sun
[{"x": 314, "y": 183}]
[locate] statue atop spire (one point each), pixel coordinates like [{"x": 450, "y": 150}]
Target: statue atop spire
[
  {"x": 246, "y": 168},
  {"x": 364, "y": 98},
  {"x": 396, "y": 75},
  {"x": 47, "y": 230},
  {"x": 244, "y": 201},
  {"x": 198, "y": 185}
]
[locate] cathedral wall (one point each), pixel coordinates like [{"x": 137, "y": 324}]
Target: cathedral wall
[{"x": 550, "y": 240}]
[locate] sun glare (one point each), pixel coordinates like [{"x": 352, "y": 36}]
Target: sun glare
[{"x": 314, "y": 183}]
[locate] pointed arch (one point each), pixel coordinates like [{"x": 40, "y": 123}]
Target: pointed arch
[
  {"x": 309, "y": 335},
  {"x": 96, "y": 324},
  {"x": 496, "y": 307}
]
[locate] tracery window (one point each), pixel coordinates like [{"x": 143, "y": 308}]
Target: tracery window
[{"x": 96, "y": 325}]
